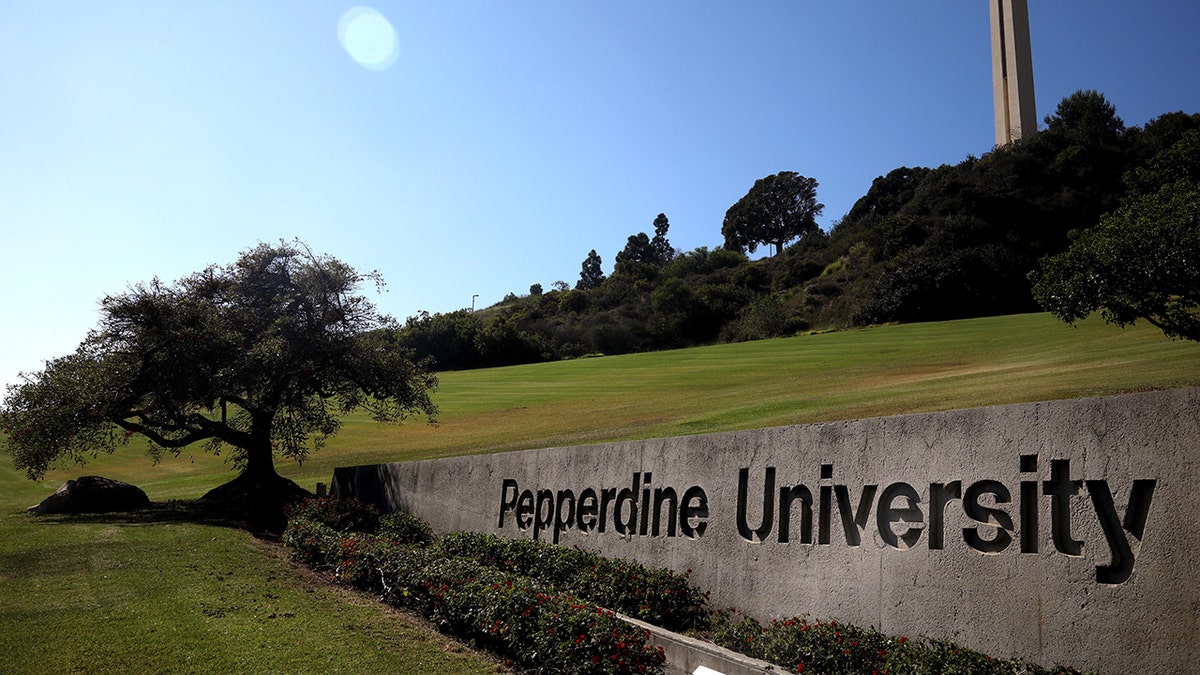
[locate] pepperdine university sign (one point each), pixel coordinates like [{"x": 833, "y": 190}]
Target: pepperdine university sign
[{"x": 1058, "y": 531}]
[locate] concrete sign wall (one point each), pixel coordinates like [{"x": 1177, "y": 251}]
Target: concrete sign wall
[{"x": 1060, "y": 532}]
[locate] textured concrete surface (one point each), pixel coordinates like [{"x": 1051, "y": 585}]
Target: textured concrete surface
[{"x": 1060, "y": 532}]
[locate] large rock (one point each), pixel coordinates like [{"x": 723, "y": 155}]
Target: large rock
[{"x": 93, "y": 494}]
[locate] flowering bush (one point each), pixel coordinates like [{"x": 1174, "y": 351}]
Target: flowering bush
[
  {"x": 343, "y": 515},
  {"x": 832, "y": 648},
  {"x": 528, "y": 621},
  {"x": 531, "y": 623},
  {"x": 310, "y": 542},
  {"x": 405, "y": 529},
  {"x": 655, "y": 595}
]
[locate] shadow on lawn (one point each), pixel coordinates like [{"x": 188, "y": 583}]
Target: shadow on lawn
[{"x": 194, "y": 511}]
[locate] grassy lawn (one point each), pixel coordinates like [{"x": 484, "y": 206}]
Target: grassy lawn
[
  {"x": 843, "y": 375},
  {"x": 157, "y": 594},
  {"x": 108, "y": 594}
]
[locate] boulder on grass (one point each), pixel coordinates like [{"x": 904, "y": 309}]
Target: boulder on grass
[{"x": 93, "y": 494}]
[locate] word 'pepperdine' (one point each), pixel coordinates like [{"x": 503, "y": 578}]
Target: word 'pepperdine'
[{"x": 595, "y": 509}]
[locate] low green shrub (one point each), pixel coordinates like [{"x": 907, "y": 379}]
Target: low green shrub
[
  {"x": 530, "y": 622},
  {"x": 832, "y": 648},
  {"x": 405, "y": 528},
  {"x": 655, "y": 595},
  {"x": 364, "y": 561},
  {"x": 310, "y": 542},
  {"x": 343, "y": 515}
]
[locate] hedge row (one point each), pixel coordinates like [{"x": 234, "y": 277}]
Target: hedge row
[
  {"x": 833, "y": 648},
  {"x": 540, "y": 604},
  {"x": 655, "y": 595},
  {"x": 530, "y": 623}
]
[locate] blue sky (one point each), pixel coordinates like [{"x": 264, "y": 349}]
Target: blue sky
[{"x": 505, "y": 140}]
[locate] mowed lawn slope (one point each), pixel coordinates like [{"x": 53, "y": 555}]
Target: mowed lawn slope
[
  {"x": 130, "y": 595},
  {"x": 887, "y": 370}
]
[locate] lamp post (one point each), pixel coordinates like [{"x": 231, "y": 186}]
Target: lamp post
[{"x": 473, "y": 301}]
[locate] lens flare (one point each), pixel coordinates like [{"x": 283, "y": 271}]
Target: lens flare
[{"x": 368, "y": 38}]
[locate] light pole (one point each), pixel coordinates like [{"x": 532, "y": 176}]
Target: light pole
[{"x": 473, "y": 301}]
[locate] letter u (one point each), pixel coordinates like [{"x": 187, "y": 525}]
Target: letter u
[{"x": 768, "y": 506}]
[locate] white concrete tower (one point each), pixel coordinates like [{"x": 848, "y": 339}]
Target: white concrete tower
[{"x": 1012, "y": 71}]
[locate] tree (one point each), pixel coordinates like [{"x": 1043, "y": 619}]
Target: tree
[
  {"x": 638, "y": 249},
  {"x": 642, "y": 254},
  {"x": 261, "y": 356},
  {"x": 1086, "y": 118},
  {"x": 535, "y": 289},
  {"x": 663, "y": 251},
  {"x": 449, "y": 340},
  {"x": 592, "y": 275},
  {"x": 778, "y": 209},
  {"x": 1141, "y": 262}
]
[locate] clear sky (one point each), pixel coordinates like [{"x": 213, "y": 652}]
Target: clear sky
[{"x": 484, "y": 146}]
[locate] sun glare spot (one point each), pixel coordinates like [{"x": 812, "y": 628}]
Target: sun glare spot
[{"x": 368, "y": 38}]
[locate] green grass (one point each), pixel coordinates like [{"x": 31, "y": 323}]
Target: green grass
[
  {"x": 842, "y": 375},
  {"x": 102, "y": 595},
  {"x": 107, "y": 594}
]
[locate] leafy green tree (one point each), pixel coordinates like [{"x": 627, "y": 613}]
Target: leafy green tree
[
  {"x": 643, "y": 255},
  {"x": 535, "y": 289},
  {"x": 1141, "y": 262},
  {"x": 638, "y": 249},
  {"x": 777, "y": 209},
  {"x": 1162, "y": 132},
  {"x": 638, "y": 260},
  {"x": 663, "y": 251},
  {"x": 449, "y": 340},
  {"x": 1180, "y": 161},
  {"x": 261, "y": 356},
  {"x": 592, "y": 274},
  {"x": 1086, "y": 118}
]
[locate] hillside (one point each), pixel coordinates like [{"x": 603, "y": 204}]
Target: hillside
[{"x": 923, "y": 244}]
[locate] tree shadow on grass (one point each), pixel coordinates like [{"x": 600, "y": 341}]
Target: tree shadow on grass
[
  {"x": 257, "y": 504},
  {"x": 192, "y": 511}
]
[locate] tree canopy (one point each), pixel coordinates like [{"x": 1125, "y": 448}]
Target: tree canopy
[
  {"x": 663, "y": 251},
  {"x": 1143, "y": 260},
  {"x": 592, "y": 274},
  {"x": 642, "y": 250},
  {"x": 1086, "y": 118},
  {"x": 261, "y": 356},
  {"x": 776, "y": 210}
]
